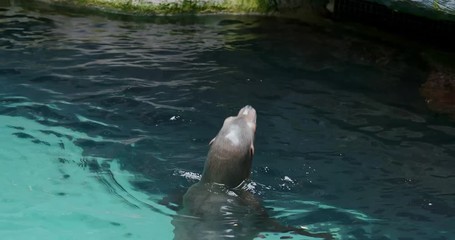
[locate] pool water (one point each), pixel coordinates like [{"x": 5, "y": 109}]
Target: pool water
[{"x": 103, "y": 116}]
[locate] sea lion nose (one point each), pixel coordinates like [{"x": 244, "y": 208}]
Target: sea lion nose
[
  {"x": 248, "y": 107},
  {"x": 246, "y": 110}
]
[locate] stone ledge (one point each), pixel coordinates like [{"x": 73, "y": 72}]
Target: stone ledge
[
  {"x": 310, "y": 11},
  {"x": 169, "y": 7}
]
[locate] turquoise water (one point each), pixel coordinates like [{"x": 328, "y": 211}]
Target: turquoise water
[{"x": 101, "y": 117}]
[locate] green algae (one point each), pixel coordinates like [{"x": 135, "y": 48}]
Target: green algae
[{"x": 172, "y": 8}]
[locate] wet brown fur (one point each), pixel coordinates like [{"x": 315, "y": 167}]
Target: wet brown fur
[{"x": 227, "y": 163}]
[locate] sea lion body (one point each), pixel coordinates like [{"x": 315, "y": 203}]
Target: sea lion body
[{"x": 213, "y": 212}]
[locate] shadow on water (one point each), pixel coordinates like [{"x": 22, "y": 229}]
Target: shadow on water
[{"x": 344, "y": 140}]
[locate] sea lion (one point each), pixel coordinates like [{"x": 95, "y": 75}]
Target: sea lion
[{"x": 217, "y": 207}]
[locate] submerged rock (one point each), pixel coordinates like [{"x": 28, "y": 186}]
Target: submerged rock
[{"x": 439, "y": 89}]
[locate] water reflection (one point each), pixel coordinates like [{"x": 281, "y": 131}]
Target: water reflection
[{"x": 52, "y": 189}]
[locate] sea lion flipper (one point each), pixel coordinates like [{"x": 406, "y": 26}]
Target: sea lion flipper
[
  {"x": 173, "y": 200},
  {"x": 274, "y": 226}
]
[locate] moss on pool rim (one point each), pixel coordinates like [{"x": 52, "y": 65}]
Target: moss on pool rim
[{"x": 172, "y": 7}]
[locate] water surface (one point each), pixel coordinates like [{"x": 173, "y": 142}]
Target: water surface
[{"x": 101, "y": 117}]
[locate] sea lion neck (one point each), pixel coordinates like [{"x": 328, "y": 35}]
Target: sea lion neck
[{"x": 230, "y": 155}]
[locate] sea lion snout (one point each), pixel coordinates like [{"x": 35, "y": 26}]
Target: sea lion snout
[{"x": 249, "y": 113}]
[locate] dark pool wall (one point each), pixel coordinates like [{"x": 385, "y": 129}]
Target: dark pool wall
[{"x": 367, "y": 12}]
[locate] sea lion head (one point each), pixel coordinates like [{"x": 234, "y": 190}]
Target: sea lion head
[{"x": 231, "y": 151}]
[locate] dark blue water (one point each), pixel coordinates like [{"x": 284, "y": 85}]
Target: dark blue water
[{"x": 344, "y": 141}]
